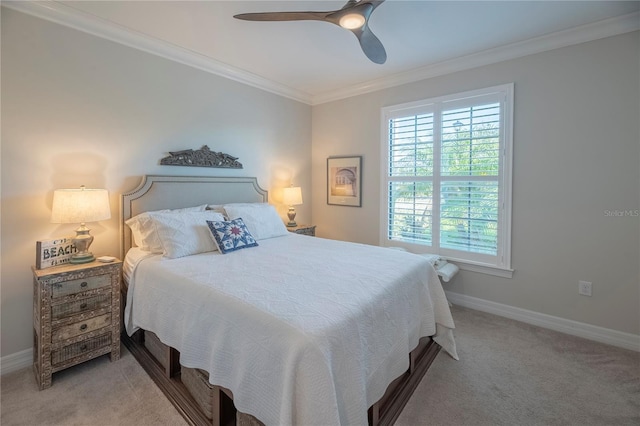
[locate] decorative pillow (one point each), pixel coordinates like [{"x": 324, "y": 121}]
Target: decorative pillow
[
  {"x": 231, "y": 235},
  {"x": 184, "y": 234},
  {"x": 262, "y": 219},
  {"x": 143, "y": 231}
]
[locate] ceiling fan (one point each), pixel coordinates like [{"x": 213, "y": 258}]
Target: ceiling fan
[{"x": 354, "y": 16}]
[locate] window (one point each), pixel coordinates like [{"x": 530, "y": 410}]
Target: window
[{"x": 447, "y": 176}]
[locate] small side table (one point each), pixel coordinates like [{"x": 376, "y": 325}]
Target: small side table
[
  {"x": 76, "y": 316},
  {"x": 303, "y": 229}
]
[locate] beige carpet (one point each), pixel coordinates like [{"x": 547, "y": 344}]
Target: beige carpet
[
  {"x": 95, "y": 393},
  {"x": 509, "y": 373}
]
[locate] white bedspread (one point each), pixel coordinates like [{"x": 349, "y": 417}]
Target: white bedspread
[{"x": 302, "y": 330}]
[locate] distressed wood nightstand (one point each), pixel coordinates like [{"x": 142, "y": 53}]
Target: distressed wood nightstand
[
  {"x": 76, "y": 316},
  {"x": 303, "y": 229}
]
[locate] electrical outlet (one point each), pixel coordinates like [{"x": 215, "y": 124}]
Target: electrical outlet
[{"x": 584, "y": 288}]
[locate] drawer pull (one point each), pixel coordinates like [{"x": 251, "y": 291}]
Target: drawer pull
[
  {"x": 84, "y": 284},
  {"x": 83, "y": 327},
  {"x": 83, "y": 306},
  {"x": 84, "y": 348}
]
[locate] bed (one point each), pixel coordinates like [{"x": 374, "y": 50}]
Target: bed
[{"x": 291, "y": 330}]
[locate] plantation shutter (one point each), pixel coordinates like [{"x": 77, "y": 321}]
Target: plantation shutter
[
  {"x": 448, "y": 176},
  {"x": 411, "y": 179},
  {"x": 470, "y": 164}
]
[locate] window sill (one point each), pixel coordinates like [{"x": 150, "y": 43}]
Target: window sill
[
  {"x": 463, "y": 264},
  {"x": 482, "y": 268}
]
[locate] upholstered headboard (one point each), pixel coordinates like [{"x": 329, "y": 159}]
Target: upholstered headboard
[{"x": 157, "y": 192}]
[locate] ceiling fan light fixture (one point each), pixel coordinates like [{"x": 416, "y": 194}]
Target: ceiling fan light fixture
[{"x": 351, "y": 21}]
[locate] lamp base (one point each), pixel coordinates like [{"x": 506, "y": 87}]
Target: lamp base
[
  {"x": 82, "y": 241},
  {"x": 82, "y": 258},
  {"x": 291, "y": 214}
]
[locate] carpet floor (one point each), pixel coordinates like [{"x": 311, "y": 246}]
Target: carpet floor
[
  {"x": 509, "y": 373},
  {"x": 512, "y": 373}
]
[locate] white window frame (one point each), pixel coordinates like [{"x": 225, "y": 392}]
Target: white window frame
[{"x": 499, "y": 265}]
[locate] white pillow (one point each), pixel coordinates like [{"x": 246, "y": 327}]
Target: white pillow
[
  {"x": 185, "y": 234},
  {"x": 262, "y": 219},
  {"x": 143, "y": 232}
]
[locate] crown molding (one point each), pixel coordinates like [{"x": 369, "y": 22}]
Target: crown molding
[
  {"x": 73, "y": 18},
  {"x": 581, "y": 34},
  {"x": 81, "y": 21}
]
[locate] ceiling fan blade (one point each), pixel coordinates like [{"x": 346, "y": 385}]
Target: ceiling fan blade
[
  {"x": 352, "y": 3},
  {"x": 371, "y": 45},
  {"x": 283, "y": 16}
]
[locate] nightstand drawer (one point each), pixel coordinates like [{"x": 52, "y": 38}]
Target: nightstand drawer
[
  {"x": 81, "y": 327},
  {"x": 74, "y": 307},
  {"x": 82, "y": 284},
  {"x": 80, "y": 348}
]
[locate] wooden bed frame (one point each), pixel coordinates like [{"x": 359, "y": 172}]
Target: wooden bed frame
[{"x": 161, "y": 192}]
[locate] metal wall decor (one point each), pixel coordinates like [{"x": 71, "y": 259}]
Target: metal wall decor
[{"x": 203, "y": 157}]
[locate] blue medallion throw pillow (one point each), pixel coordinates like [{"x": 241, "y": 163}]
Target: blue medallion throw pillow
[{"x": 231, "y": 236}]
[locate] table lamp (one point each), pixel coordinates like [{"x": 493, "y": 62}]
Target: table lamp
[
  {"x": 292, "y": 196},
  {"x": 80, "y": 205}
]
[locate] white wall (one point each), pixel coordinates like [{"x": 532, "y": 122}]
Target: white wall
[
  {"x": 576, "y": 155},
  {"x": 77, "y": 109}
]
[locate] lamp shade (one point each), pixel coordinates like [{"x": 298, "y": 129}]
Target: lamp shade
[
  {"x": 292, "y": 196},
  {"x": 80, "y": 205}
]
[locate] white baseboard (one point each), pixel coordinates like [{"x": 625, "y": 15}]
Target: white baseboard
[
  {"x": 16, "y": 361},
  {"x": 574, "y": 328}
]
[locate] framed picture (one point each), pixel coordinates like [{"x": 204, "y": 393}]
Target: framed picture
[
  {"x": 344, "y": 181},
  {"x": 54, "y": 252}
]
